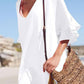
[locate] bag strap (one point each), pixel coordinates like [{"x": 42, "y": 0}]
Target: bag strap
[
  {"x": 44, "y": 30},
  {"x": 51, "y": 79}
]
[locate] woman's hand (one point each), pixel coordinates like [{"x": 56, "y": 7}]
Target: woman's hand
[{"x": 53, "y": 62}]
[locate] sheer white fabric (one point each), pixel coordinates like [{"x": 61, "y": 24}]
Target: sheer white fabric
[
  {"x": 60, "y": 25},
  {"x": 67, "y": 26}
]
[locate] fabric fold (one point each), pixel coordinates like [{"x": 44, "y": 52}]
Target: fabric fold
[{"x": 67, "y": 27}]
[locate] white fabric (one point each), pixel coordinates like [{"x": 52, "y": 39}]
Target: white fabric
[
  {"x": 67, "y": 26},
  {"x": 60, "y": 25}
]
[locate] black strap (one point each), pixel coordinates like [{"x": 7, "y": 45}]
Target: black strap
[
  {"x": 44, "y": 35},
  {"x": 44, "y": 30}
]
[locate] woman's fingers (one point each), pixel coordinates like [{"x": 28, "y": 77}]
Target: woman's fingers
[
  {"x": 51, "y": 68},
  {"x": 48, "y": 67},
  {"x": 45, "y": 66}
]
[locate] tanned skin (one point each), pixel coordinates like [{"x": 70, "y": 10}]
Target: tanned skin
[
  {"x": 26, "y": 6},
  {"x": 52, "y": 62}
]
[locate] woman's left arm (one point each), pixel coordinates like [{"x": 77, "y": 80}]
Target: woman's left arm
[{"x": 52, "y": 62}]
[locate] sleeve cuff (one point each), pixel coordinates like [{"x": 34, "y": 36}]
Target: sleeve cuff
[{"x": 70, "y": 34}]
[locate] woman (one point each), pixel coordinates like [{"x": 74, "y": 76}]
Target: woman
[{"x": 61, "y": 30}]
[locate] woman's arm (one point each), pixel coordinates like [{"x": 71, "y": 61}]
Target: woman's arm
[{"x": 52, "y": 63}]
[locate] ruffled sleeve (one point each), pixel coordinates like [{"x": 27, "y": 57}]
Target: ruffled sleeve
[{"x": 66, "y": 26}]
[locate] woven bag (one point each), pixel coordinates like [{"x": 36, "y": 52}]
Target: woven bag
[
  {"x": 73, "y": 69},
  {"x": 72, "y": 72}
]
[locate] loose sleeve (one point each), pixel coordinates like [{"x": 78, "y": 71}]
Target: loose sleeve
[{"x": 66, "y": 25}]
